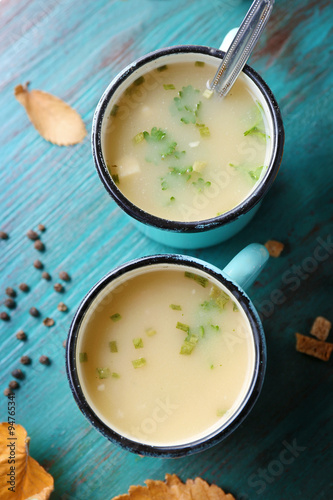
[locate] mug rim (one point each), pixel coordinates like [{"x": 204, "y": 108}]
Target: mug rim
[
  {"x": 210, "y": 439},
  {"x": 188, "y": 226}
]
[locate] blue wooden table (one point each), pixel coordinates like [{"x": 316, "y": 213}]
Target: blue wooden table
[{"x": 73, "y": 50}]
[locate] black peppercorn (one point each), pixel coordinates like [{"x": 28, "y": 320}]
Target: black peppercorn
[
  {"x": 34, "y": 312},
  {"x": 39, "y": 245},
  {"x": 32, "y": 235},
  {"x": 25, "y": 360},
  {"x": 58, "y": 287},
  {"x": 10, "y": 292},
  {"x": 4, "y": 316},
  {"x": 10, "y": 303},
  {"x": 44, "y": 360}
]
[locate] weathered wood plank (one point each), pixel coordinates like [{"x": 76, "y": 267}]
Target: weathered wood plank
[{"x": 73, "y": 50}]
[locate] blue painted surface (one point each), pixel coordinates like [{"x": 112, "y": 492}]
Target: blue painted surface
[{"x": 74, "y": 50}]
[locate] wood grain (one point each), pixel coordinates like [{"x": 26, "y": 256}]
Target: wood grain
[{"x": 73, "y": 50}]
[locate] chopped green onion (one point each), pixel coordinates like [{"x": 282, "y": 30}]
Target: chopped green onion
[
  {"x": 162, "y": 68},
  {"x": 186, "y": 348},
  {"x": 220, "y": 413},
  {"x": 138, "y": 363},
  {"x": 215, "y": 327},
  {"x": 187, "y": 104},
  {"x": 200, "y": 64},
  {"x": 138, "y": 138},
  {"x": 139, "y": 81},
  {"x": 234, "y": 307},
  {"x": 115, "y": 178},
  {"x": 138, "y": 343},
  {"x": 257, "y": 132},
  {"x": 189, "y": 344},
  {"x": 115, "y": 317},
  {"x": 183, "y": 327},
  {"x": 172, "y": 198},
  {"x": 199, "y": 279},
  {"x": 169, "y": 86},
  {"x": 180, "y": 170},
  {"x": 175, "y": 307},
  {"x": 208, "y": 305},
  {"x": 211, "y": 367},
  {"x": 202, "y": 331},
  {"x": 113, "y": 346},
  {"x": 115, "y": 375},
  {"x": 219, "y": 296},
  {"x": 150, "y": 332},
  {"x": 164, "y": 184},
  {"x": 114, "y": 110},
  {"x": 103, "y": 372},
  {"x": 255, "y": 174},
  {"x": 83, "y": 357},
  {"x": 203, "y": 129}
]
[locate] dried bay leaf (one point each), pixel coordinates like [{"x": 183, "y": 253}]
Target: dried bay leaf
[
  {"x": 173, "y": 489},
  {"x": 31, "y": 480},
  {"x": 55, "y": 120}
]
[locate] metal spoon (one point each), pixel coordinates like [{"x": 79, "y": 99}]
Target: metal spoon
[{"x": 241, "y": 46}]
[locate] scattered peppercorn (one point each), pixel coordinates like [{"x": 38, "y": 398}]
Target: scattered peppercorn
[
  {"x": 25, "y": 360},
  {"x": 58, "y": 287},
  {"x": 13, "y": 384},
  {"x": 44, "y": 360},
  {"x": 17, "y": 373},
  {"x": 64, "y": 343},
  {"x": 7, "y": 392},
  {"x": 46, "y": 276},
  {"x": 10, "y": 292},
  {"x": 21, "y": 335},
  {"x": 64, "y": 276},
  {"x": 3, "y": 235},
  {"x": 48, "y": 322},
  {"x": 4, "y": 316},
  {"x": 24, "y": 287},
  {"x": 39, "y": 245},
  {"x": 62, "y": 307},
  {"x": 10, "y": 303},
  {"x": 34, "y": 312},
  {"x": 41, "y": 227},
  {"x": 38, "y": 264},
  {"x": 32, "y": 235}
]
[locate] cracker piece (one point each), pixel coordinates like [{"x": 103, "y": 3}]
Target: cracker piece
[{"x": 274, "y": 248}]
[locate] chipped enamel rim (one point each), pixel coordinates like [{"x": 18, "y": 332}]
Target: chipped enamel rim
[
  {"x": 240, "y": 413},
  {"x": 178, "y": 226}
]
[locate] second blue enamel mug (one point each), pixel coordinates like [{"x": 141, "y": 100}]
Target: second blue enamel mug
[{"x": 238, "y": 275}]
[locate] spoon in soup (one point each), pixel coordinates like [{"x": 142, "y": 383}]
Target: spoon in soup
[{"x": 241, "y": 47}]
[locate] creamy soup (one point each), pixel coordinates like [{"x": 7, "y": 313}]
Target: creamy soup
[
  {"x": 166, "y": 356},
  {"x": 181, "y": 155}
]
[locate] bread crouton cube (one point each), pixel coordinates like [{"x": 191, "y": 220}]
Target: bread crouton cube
[
  {"x": 312, "y": 347},
  {"x": 321, "y": 328}
]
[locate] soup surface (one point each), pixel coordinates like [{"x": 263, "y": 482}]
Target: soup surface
[
  {"x": 165, "y": 357},
  {"x": 182, "y": 156}
]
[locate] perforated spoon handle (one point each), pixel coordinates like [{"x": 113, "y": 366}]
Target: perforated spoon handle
[{"x": 242, "y": 46}]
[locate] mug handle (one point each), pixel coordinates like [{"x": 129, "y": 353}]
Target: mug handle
[{"x": 247, "y": 265}]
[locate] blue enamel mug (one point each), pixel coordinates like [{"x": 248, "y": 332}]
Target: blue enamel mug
[
  {"x": 201, "y": 233},
  {"x": 238, "y": 275}
]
